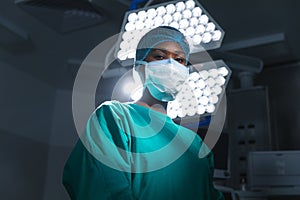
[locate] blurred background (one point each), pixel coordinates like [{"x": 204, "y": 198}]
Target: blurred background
[{"x": 43, "y": 43}]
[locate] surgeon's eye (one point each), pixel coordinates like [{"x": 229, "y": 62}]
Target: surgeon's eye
[
  {"x": 181, "y": 61},
  {"x": 159, "y": 57}
]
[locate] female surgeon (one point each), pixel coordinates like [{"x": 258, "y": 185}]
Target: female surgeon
[{"x": 134, "y": 150}]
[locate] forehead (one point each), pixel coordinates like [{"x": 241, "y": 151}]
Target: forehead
[{"x": 172, "y": 47}]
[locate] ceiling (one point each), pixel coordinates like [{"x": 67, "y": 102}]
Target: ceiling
[{"x": 266, "y": 30}]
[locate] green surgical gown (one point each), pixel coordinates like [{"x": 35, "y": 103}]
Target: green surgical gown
[{"x": 128, "y": 151}]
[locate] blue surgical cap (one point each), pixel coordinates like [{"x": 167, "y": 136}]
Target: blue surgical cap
[{"x": 157, "y": 36}]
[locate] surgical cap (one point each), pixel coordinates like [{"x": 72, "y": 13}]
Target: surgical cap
[{"x": 157, "y": 36}]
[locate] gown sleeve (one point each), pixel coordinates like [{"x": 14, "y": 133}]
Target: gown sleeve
[{"x": 84, "y": 176}]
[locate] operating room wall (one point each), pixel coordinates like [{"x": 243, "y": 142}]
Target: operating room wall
[
  {"x": 26, "y": 106},
  {"x": 284, "y": 85},
  {"x": 63, "y": 138}
]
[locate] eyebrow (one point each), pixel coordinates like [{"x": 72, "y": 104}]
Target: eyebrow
[{"x": 179, "y": 53}]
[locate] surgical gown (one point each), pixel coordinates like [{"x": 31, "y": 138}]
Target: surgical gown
[{"x": 132, "y": 152}]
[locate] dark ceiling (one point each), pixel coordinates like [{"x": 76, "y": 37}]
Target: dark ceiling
[{"x": 263, "y": 29}]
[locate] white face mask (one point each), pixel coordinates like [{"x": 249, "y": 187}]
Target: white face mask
[{"x": 164, "y": 78}]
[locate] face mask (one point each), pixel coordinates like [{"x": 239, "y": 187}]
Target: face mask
[{"x": 164, "y": 78}]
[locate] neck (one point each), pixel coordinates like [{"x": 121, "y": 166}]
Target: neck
[{"x": 150, "y": 102}]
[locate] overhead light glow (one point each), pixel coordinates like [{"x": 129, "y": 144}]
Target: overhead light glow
[
  {"x": 197, "y": 39},
  {"x": 189, "y": 17},
  {"x": 132, "y": 17},
  {"x": 217, "y": 35},
  {"x": 137, "y": 93},
  {"x": 183, "y": 24},
  {"x": 200, "y": 30},
  {"x": 129, "y": 26},
  {"x": 149, "y": 23},
  {"x": 167, "y": 19},
  {"x": 161, "y": 11},
  {"x": 151, "y": 13},
  {"x": 142, "y": 15},
  {"x": 174, "y": 25},
  {"x": 170, "y": 8},
  {"x": 180, "y": 6},
  {"x": 190, "y": 31},
  {"x": 187, "y": 14},
  {"x": 177, "y": 16},
  {"x": 203, "y": 19},
  {"x": 197, "y": 12},
  {"x": 210, "y": 108},
  {"x": 190, "y": 4},
  {"x": 194, "y": 22},
  {"x": 139, "y": 25},
  {"x": 206, "y": 38},
  {"x": 210, "y": 27}
]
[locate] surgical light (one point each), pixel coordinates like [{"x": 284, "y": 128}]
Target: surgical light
[
  {"x": 132, "y": 17},
  {"x": 203, "y": 19},
  {"x": 190, "y": 4},
  {"x": 170, "y": 8},
  {"x": 183, "y": 24},
  {"x": 180, "y": 6},
  {"x": 216, "y": 35},
  {"x": 161, "y": 11},
  {"x": 187, "y": 14},
  {"x": 177, "y": 16},
  {"x": 151, "y": 13},
  {"x": 197, "y": 12},
  {"x": 201, "y": 93},
  {"x": 206, "y": 38},
  {"x": 142, "y": 15},
  {"x": 201, "y": 30},
  {"x": 158, "y": 20},
  {"x": 174, "y": 25},
  {"x": 149, "y": 23},
  {"x": 190, "y": 31},
  {"x": 139, "y": 25},
  {"x": 210, "y": 27},
  {"x": 193, "y": 21},
  {"x": 167, "y": 19}
]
